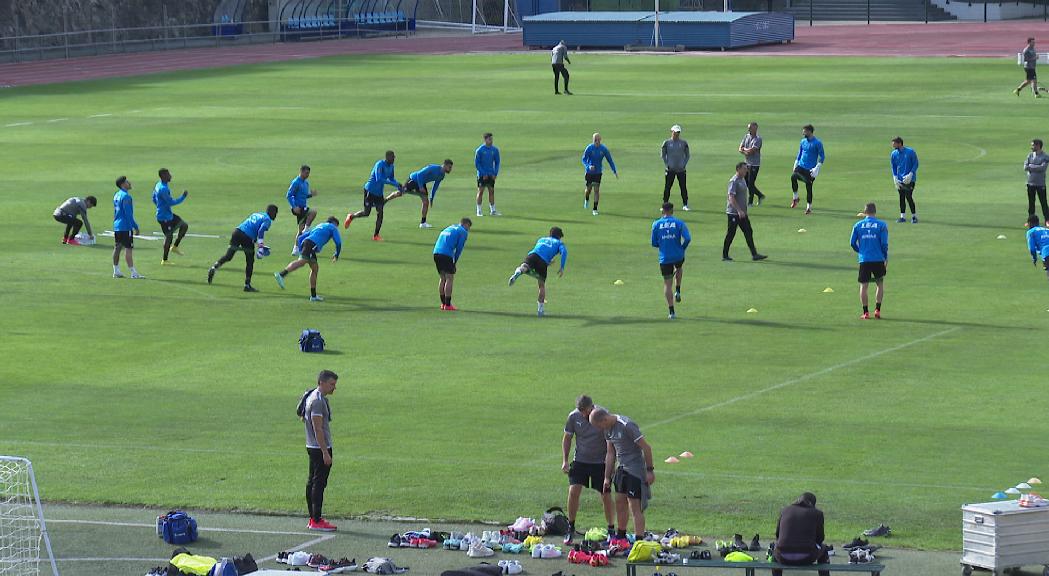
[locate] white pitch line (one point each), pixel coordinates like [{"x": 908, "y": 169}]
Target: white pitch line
[
  {"x": 16, "y": 124},
  {"x": 835, "y": 480},
  {"x": 53, "y": 120},
  {"x": 99, "y": 115},
  {"x": 302, "y": 546},
  {"x": 690, "y": 113},
  {"x": 154, "y": 526},
  {"x": 802, "y": 378},
  {"x": 155, "y": 233},
  {"x": 111, "y": 559}
]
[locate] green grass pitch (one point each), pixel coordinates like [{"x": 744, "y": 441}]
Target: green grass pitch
[{"x": 170, "y": 392}]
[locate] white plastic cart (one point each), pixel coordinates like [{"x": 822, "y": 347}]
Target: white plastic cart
[{"x": 1000, "y": 536}]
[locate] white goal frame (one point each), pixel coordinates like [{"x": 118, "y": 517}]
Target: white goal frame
[{"x": 14, "y": 504}]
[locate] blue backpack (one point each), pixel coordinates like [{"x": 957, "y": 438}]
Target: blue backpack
[
  {"x": 224, "y": 567},
  {"x": 177, "y": 527},
  {"x": 311, "y": 341}
]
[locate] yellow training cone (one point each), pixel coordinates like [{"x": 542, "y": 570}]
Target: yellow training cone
[
  {"x": 828, "y": 290},
  {"x": 671, "y": 460},
  {"x": 752, "y": 311},
  {"x": 687, "y": 454}
]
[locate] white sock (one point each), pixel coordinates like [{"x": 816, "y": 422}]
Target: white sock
[
  {"x": 116, "y": 269},
  {"x": 133, "y": 271},
  {"x": 808, "y": 206},
  {"x": 795, "y": 195},
  {"x": 903, "y": 214},
  {"x": 541, "y": 306},
  {"x": 478, "y": 207},
  {"x": 491, "y": 206}
]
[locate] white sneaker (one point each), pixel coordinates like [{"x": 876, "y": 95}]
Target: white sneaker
[
  {"x": 686, "y": 208},
  {"x": 479, "y": 550},
  {"x": 137, "y": 276},
  {"x": 316, "y": 299},
  {"x": 537, "y": 551},
  {"x": 425, "y": 225},
  {"x": 586, "y": 204},
  {"x": 118, "y": 274},
  {"x": 496, "y": 213},
  {"x": 511, "y": 566},
  {"x": 550, "y": 551},
  {"x": 479, "y": 213},
  {"x": 595, "y": 212}
]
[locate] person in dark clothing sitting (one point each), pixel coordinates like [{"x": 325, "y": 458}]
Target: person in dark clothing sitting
[{"x": 799, "y": 535}]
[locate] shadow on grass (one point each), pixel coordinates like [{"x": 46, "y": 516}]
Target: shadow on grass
[
  {"x": 813, "y": 265},
  {"x": 957, "y": 324},
  {"x": 549, "y": 221}
]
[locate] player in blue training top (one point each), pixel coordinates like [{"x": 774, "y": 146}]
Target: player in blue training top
[
  {"x": 381, "y": 176},
  {"x": 593, "y": 157},
  {"x": 486, "y": 160},
  {"x": 807, "y": 166},
  {"x": 672, "y": 238},
  {"x": 124, "y": 228},
  {"x": 416, "y": 186},
  {"x": 169, "y": 221},
  {"x": 535, "y": 264},
  {"x": 446, "y": 253},
  {"x": 299, "y": 193},
  {"x": 904, "y": 163},
  {"x": 870, "y": 239},
  {"x": 310, "y": 244},
  {"x": 245, "y": 236},
  {"x": 1038, "y": 242}
]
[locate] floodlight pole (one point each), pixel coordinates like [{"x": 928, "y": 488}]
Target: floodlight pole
[
  {"x": 506, "y": 15},
  {"x": 655, "y": 38},
  {"x": 473, "y": 18}
]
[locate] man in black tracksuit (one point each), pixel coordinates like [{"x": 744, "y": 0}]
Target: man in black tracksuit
[{"x": 799, "y": 535}]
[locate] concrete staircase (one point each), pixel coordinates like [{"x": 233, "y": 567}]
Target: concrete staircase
[{"x": 880, "y": 10}]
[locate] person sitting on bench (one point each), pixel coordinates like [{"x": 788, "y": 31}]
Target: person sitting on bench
[{"x": 799, "y": 535}]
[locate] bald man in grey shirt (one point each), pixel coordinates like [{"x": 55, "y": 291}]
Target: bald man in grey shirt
[{"x": 587, "y": 469}]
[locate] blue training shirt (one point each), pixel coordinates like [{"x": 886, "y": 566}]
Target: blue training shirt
[
  {"x": 320, "y": 234},
  {"x": 672, "y": 237},
  {"x": 870, "y": 239},
  {"x": 547, "y": 247},
  {"x": 163, "y": 201},
  {"x": 903, "y": 162},
  {"x": 810, "y": 152},
  {"x": 430, "y": 173},
  {"x": 593, "y": 157},
  {"x": 256, "y": 225},
  {"x": 486, "y": 160},
  {"x": 382, "y": 174},
  {"x": 123, "y": 212},
  {"x": 298, "y": 192},
  {"x": 451, "y": 241},
  {"x": 1038, "y": 242}
]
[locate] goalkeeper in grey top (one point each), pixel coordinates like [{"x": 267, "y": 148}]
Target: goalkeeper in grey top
[
  {"x": 67, "y": 214},
  {"x": 558, "y": 59},
  {"x": 635, "y": 474},
  {"x": 750, "y": 148},
  {"x": 587, "y": 469},
  {"x": 675, "y": 155}
]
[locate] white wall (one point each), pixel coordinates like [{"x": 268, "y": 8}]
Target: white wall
[{"x": 1007, "y": 11}]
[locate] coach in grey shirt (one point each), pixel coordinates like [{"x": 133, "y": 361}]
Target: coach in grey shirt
[
  {"x": 750, "y": 148},
  {"x": 635, "y": 474},
  {"x": 587, "y": 469},
  {"x": 316, "y": 414},
  {"x": 1035, "y": 166},
  {"x": 1030, "y": 60},
  {"x": 675, "y": 155},
  {"x": 558, "y": 58},
  {"x": 736, "y": 210}
]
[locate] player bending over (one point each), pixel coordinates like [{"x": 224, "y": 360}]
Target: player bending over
[
  {"x": 1038, "y": 242},
  {"x": 537, "y": 261},
  {"x": 416, "y": 186},
  {"x": 310, "y": 244}
]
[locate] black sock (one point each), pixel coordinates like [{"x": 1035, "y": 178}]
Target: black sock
[
  {"x": 444, "y": 300},
  {"x": 678, "y": 289},
  {"x": 620, "y": 533},
  {"x": 423, "y": 221},
  {"x": 865, "y": 310},
  {"x": 877, "y": 305},
  {"x": 313, "y": 292},
  {"x": 595, "y": 205},
  {"x": 449, "y": 298},
  {"x": 283, "y": 273},
  {"x": 671, "y": 309},
  {"x": 571, "y": 526},
  {"x": 611, "y": 528}
]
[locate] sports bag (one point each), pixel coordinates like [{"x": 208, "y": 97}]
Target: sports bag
[
  {"x": 177, "y": 527},
  {"x": 224, "y": 567},
  {"x": 555, "y": 522},
  {"x": 644, "y": 551},
  {"x": 311, "y": 341}
]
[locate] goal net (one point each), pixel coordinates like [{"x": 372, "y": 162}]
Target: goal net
[{"x": 22, "y": 529}]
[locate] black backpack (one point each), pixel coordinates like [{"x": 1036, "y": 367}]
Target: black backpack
[
  {"x": 311, "y": 341},
  {"x": 555, "y": 522}
]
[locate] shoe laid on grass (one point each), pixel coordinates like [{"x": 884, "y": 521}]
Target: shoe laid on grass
[
  {"x": 755, "y": 544},
  {"x": 577, "y": 556},
  {"x": 549, "y": 551},
  {"x": 856, "y": 543},
  {"x": 479, "y": 550},
  {"x": 881, "y": 530},
  {"x": 317, "y": 560},
  {"x": 511, "y": 567},
  {"x": 599, "y": 558},
  {"x": 739, "y": 544},
  {"x": 339, "y": 566}
]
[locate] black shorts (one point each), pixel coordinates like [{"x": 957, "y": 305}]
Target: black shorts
[
  {"x": 536, "y": 265},
  {"x": 445, "y": 264},
  {"x": 627, "y": 483},
  {"x": 587, "y": 475},
  {"x": 907, "y": 188},
  {"x": 169, "y": 227},
  {"x": 124, "y": 239},
  {"x": 1031, "y": 73},
  {"x": 667, "y": 270},
  {"x": 486, "y": 181},
  {"x": 301, "y": 213},
  {"x": 871, "y": 271},
  {"x": 308, "y": 251},
  {"x": 593, "y": 178},
  {"x": 372, "y": 201},
  {"x": 412, "y": 187},
  {"x": 241, "y": 241}
]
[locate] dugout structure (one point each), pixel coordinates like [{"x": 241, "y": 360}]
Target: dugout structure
[{"x": 689, "y": 30}]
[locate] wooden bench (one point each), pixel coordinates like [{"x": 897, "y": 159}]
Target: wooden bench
[{"x": 750, "y": 568}]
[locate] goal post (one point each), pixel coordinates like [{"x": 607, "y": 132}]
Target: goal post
[{"x": 22, "y": 528}]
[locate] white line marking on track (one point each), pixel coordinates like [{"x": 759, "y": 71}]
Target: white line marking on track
[
  {"x": 302, "y": 546},
  {"x": 154, "y": 526},
  {"x": 99, "y": 115},
  {"x": 18, "y": 124},
  {"x": 802, "y": 378}
]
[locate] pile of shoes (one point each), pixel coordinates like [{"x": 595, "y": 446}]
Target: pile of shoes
[
  {"x": 546, "y": 551},
  {"x": 581, "y": 555},
  {"x": 452, "y": 541},
  {"x": 674, "y": 539},
  {"x": 510, "y": 567},
  {"x": 382, "y": 566},
  {"x": 413, "y": 539},
  {"x": 699, "y": 555},
  {"x": 667, "y": 558},
  {"x": 860, "y": 556},
  {"x": 339, "y": 566},
  {"x": 737, "y": 545},
  {"x": 523, "y": 527}
]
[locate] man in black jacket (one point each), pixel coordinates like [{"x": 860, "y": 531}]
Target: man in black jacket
[{"x": 799, "y": 535}]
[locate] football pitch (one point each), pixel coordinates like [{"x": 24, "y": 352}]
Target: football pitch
[{"x": 169, "y": 392}]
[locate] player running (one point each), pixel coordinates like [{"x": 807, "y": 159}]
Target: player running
[
  {"x": 486, "y": 160},
  {"x": 245, "y": 237},
  {"x": 124, "y": 228},
  {"x": 870, "y": 239},
  {"x": 593, "y": 158},
  {"x": 904, "y": 163},
  {"x": 672, "y": 238},
  {"x": 416, "y": 186},
  {"x": 310, "y": 244},
  {"x": 1030, "y": 61},
  {"x": 169, "y": 221},
  {"x": 535, "y": 264},
  {"x": 299, "y": 193},
  {"x": 1038, "y": 242},
  {"x": 381, "y": 176},
  {"x": 807, "y": 166},
  {"x": 446, "y": 253},
  {"x": 67, "y": 214}
]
